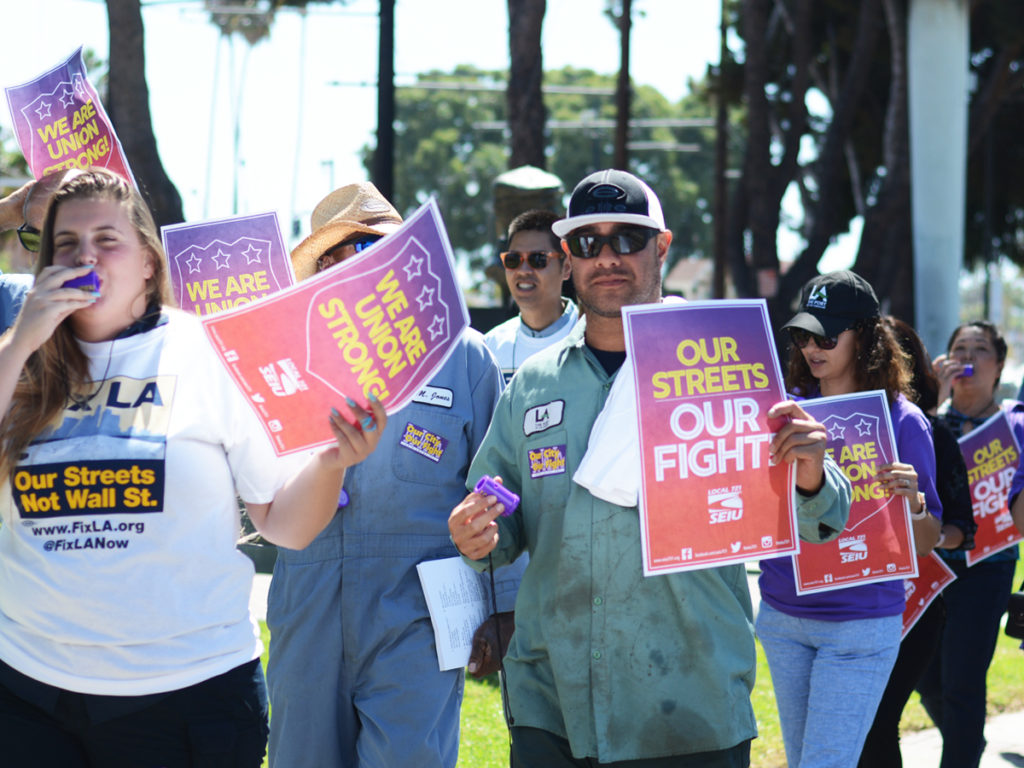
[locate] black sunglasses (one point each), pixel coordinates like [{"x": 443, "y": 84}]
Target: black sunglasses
[
  {"x": 536, "y": 259},
  {"x": 333, "y": 255},
  {"x": 622, "y": 242},
  {"x": 802, "y": 338},
  {"x": 29, "y": 237}
]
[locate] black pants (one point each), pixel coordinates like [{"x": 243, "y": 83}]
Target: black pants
[
  {"x": 218, "y": 723},
  {"x": 882, "y": 747},
  {"x": 536, "y": 748}
]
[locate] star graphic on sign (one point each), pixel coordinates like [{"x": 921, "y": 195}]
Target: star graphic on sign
[
  {"x": 436, "y": 327},
  {"x": 67, "y": 98},
  {"x": 79, "y": 87},
  {"x": 193, "y": 262},
  {"x": 426, "y": 298},
  {"x": 835, "y": 431},
  {"x": 44, "y": 110},
  {"x": 863, "y": 427},
  {"x": 221, "y": 259},
  {"x": 413, "y": 268},
  {"x": 252, "y": 254}
]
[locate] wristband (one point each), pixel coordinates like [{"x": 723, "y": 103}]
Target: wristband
[
  {"x": 923, "y": 512},
  {"x": 941, "y": 541}
]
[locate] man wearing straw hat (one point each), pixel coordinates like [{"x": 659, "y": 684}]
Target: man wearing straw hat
[{"x": 353, "y": 672}]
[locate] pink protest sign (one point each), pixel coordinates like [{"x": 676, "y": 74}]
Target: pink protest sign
[
  {"x": 877, "y": 542},
  {"x": 706, "y": 374},
  {"x": 381, "y": 322},
  {"x": 226, "y": 263},
  {"x": 933, "y": 577},
  {"x": 991, "y": 454},
  {"x": 60, "y": 122}
]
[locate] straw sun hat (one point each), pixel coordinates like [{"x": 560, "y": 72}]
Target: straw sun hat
[{"x": 350, "y": 210}]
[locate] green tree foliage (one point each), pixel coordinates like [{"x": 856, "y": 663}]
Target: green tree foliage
[{"x": 451, "y": 143}]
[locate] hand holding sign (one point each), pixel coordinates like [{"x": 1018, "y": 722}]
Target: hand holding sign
[{"x": 799, "y": 440}]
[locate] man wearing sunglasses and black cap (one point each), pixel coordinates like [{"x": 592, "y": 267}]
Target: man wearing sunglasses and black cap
[
  {"x": 607, "y": 667},
  {"x": 535, "y": 269}
]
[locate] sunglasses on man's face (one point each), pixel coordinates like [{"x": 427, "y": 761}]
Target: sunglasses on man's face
[
  {"x": 802, "y": 338},
  {"x": 622, "y": 242},
  {"x": 536, "y": 259},
  {"x": 344, "y": 250},
  {"x": 29, "y": 237}
]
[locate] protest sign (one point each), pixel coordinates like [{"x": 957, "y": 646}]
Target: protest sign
[
  {"x": 991, "y": 454},
  {"x": 60, "y": 122},
  {"x": 706, "y": 374},
  {"x": 877, "y": 543},
  {"x": 381, "y": 322},
  {"x": 933, "y": 577},
  {"x": 226, "y": 263}
]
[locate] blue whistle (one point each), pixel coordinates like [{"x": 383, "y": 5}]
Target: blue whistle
[{"x": 488, "y": 487}]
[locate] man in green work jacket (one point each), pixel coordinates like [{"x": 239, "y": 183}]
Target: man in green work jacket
[{"x": 607, "y": 667}]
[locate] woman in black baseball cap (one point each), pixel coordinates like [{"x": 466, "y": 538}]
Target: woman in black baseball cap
[{"x": 831, "y": 652}]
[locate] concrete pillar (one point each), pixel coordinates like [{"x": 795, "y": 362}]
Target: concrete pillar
[{"x": 937, "y": 53}]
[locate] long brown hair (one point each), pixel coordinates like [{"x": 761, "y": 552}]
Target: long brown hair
[
  {"x": 58, "y": 370},
  {"x": 880, "y": 364}
]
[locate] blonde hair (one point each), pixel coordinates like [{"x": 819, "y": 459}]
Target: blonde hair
[{"x": 58, "y": 370}]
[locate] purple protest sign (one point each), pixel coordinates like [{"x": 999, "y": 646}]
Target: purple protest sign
[
  {"x": 382, "y": 322},
  {"x": 991, "y": 454},
  {"x": 60, "y": 122},
  {"x": 226, "y": 263},
  {"x": 877, "y": 543},
  {"x": 706, "y": 374}
]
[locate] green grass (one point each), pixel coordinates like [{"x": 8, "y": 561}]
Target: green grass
[{"x": 484, "y": 739}]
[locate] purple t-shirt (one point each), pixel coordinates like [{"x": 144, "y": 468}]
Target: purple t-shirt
[{"x": 914, "y": 446}]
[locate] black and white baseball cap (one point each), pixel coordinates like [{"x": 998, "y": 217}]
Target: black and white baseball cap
[
  {"x": 611, "y": 196},
  {"x": 833, "y": 302}
]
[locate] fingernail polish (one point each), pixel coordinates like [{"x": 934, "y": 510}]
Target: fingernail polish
[{"x": 350, "y": 401}]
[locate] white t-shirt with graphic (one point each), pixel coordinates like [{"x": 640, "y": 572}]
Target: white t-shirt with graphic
[{"x": 118, "y": 568}]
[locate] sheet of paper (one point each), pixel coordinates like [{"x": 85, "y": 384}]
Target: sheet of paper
[{"x": 457, "y": 603}]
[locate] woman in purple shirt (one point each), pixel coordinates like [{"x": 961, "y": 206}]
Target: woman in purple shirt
[{"x": 830, "y": 653}]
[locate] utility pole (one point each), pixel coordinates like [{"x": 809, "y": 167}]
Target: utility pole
[
  {"x": 384, "y": 155},
  {"x": 621, "y": 158},
  {"x": 721, "y": 203}
]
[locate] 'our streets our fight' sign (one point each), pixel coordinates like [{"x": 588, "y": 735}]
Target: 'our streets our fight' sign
[
  {"x": 381, "y": 322},
  {"x": 877, "y": 543},
  {"x": 226, "y": 263},
  {"x": 991, "y": 454},
  {"x": 60, "y": 122},
  {"x": 706, "y": 374},
  {"x": 933, "y": 577}
]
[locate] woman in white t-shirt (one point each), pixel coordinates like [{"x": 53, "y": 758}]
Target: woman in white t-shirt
[{"x": 125, "y": 634}]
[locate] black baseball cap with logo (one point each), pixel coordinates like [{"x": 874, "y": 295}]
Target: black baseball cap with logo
[
  {"x": 833, "y": 302},
  {"x": 611, "y": 196}
]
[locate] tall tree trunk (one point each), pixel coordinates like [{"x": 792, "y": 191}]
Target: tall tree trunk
[
  {"x": 823, "y": 222},
  {"x": 524, "y": 99},
  {"x": 885, "y": 258},
  {"x": 128, "y": 107}
]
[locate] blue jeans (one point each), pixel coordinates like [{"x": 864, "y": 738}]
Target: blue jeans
[
  {"x": 828, "y": 678},
  {"x": 953, "y": 687}
]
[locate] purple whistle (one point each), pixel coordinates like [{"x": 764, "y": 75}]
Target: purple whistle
[
  {"x": 87, "y": 282},
  {"x": 488, "y": 487},
  {"x": 967, "y": 371}
]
